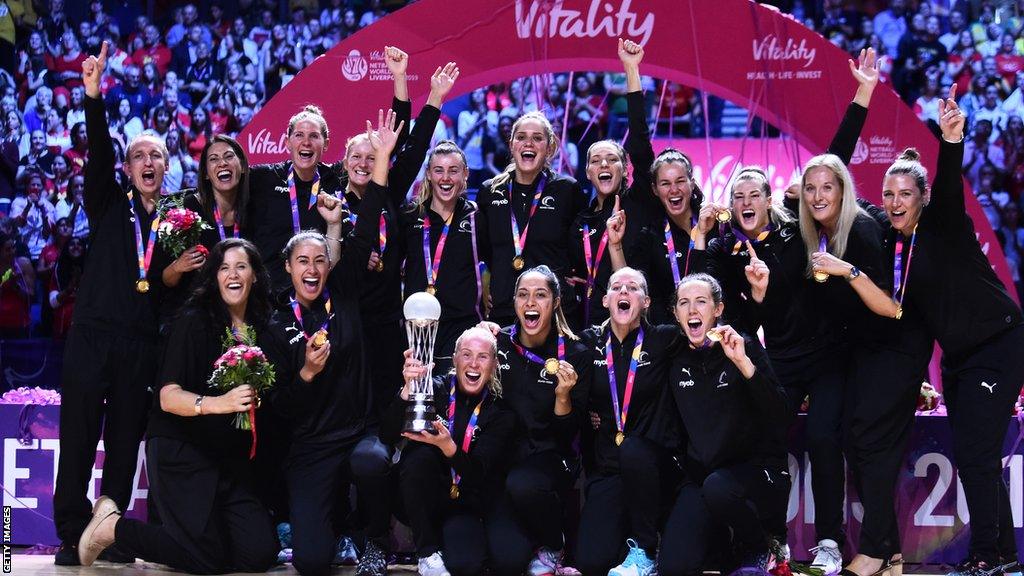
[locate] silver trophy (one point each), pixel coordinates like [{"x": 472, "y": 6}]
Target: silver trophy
[{"x": 422, "y": 311}]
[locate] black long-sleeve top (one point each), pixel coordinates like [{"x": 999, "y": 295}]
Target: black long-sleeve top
[
  {"x": 547, "y": 241},
  {"x": 530, "y": 393},
  {"x": 172, "y": 297},
  {"x": 336, "y": 406},
  {"x": 728, "y": 419},
  {"x": 107, "y": 299},
  {"x": 646, "y": 417},
  {"x": 951, "y": 284},
  {"x": 637, "y": 201},
  {"x": 195, "y": 342},
  {"x": 483, "y": 468}
]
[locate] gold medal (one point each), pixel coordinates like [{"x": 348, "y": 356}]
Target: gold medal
[
  {"x": 453, "y": 493},
  {"x": 319, "y": 339},
  {"x": 714, "y": 335},
  {"x": 142, "y": 286},
  {"x": 518, "y": 263},
  {"x": 431, "y": 290},
  {"x": 724, "y": 216},
  {"x": 899, "y": 312},
  {"x": 820, "y": 276},
  {"x": 619, "y": 437},
  {"x": 551, "y": 365},
  {"x": 380, "y": 266}
]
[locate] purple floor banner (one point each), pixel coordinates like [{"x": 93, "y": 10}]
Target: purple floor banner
[{"x": 931, "y": 508}]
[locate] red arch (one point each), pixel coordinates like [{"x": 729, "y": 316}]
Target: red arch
[{"x": 736, "y": 49}]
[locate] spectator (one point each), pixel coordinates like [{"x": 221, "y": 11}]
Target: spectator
[
  {"x": 1011, "y": 238},
  {"x": 891, "y": 25},
  {"x": 67, "y": 68},
  {"x": 44, "y": 271},
  {"x": 33, "y": 64},
  {"x": 990, "y": 46},
  {"x": 56, "y": 185},
  {"x": 497, "y": 156},
  {"x": 261, "y": 32},
  {"x": 154, "y": 51},
  {"x": 281, "y": 61},
  {"x": 33, "y": 215},
  {"x": 78, "y": 154},
  {"x": 476, "y": 124},
  {"x": 992, "y": 111},
  {"x": 76, "y": 111},
  {"x": 957, "y": 24},
  {"x": 72, "y": 207},
  {"x": 138, "y": 95},
  {"x": 1014, "y": 103},
  {"x": 963, "y": 59},
  {"x": 57, "y": 137},
  {"x": 235, "y": 47},
  {"x": 35, "y": 116},
  {"x": 39, "y": 156},
  {"x": 179, "y": 162},
  {"x": 15, "y": 134},
  {"x": 16, "y": 291},
  {"x": 64, "y": 285},
  {"x": 160, "y": 121},
  {"x": 376, "y": 12},
  {"x": 124, "y": 125},
  {"x": 199, "y": 132},
  {"x": 979, "y": 151},
  {"x": 201, "y": 76},
  {"x": 1008, "y": 60}
]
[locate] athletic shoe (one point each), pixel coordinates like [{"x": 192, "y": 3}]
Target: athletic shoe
[
  {"x": 373, "y": 562},
  {"x": 116, "y": 555},
  {"x": 284, "y": 556},
  {"x": 637, "y": 562},
  {"x": 284, "y": 534},
  {"x": 432, "y": 565},
  {"x": 67, "y": 555},
  {"x": 973, "y": 567},
  {"x": 1010, "y": 567},
  {"x": 827, "y": 557},
  {"x": 346, "y": 553},
  {"x": 88, "y": 546},
  {"x": 545, "y": 563}
]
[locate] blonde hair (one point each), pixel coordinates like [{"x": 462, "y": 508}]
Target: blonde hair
[
  {"x": 313, "y": 114},
  {"x": 443, "y": 148},
  {"x": 506, "y": 176},
  {"x": 776, "y": 213},
  {"x": 848, "y": 211},
  {"x": 482, "y": 333}
]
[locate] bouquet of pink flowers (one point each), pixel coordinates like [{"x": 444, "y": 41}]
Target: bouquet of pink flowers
[
  {"x": 180, "y": 228},
  {"x": 243, "y": 363}
]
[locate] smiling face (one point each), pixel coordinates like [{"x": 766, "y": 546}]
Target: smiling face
[
  {"x": 696, "y": 310},
  {"x": 627, "y": 298},
  {"x": 605, "y": 168},
  {"x": 750, "y": 206},
  {"x": 474, "y": 361},
  {"x": 308, "y": 266},
  {"x": 535, "y": 304},
  {"x": 359, "y": 159},
  {"x": 674, "y": 188},
  {"x": 530, "y": 147},
  {"x": 447, "y": 174},
  {"x": 903, "y": 201},
  {"x": 235, "y": 278},
  {"x": 823, "y": 195},
  {"x": 223, "y": 167},
  {"x": 306, "y": 144},
  {"x": 146, "y": 164}
]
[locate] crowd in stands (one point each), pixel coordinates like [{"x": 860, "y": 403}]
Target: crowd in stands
[{"x": 189, "y": 71}]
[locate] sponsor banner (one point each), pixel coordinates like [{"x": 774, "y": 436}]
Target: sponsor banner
[{"x": 756, "y": 57}]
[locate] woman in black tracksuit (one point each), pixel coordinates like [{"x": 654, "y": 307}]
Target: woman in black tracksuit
[
  {"x": 590, "y": 250},
  {"x": 732, "y": 412},
  {"x": 449, "y": 480},
  {"x": 806, "y": 349},
  {"x": 545, "y": 375},
  {"x": 947, "y": 283},
  {"x": 221, "y": 201},
  {"x": 199, "y": 468},
  {"x": 631, "y": 474},
  {"x": 529, "y": 210}
]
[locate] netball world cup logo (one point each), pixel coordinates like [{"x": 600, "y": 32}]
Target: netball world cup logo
[{"x": 354, "y": 67}]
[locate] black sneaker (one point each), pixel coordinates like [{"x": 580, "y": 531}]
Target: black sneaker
[
  {"x": 67, "y": 555},
  {"x": 116, "y": 555},
  {"x": 373, "y": 562}
]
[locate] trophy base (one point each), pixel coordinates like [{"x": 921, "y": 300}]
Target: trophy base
[{"x": 419, "y": 416}]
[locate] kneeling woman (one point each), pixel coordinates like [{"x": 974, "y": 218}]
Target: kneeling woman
[
  {"x": 545, "y": 374},
  {"x": 198, "y": 466},
  {"x": 448, "y": 479},
  {"x": 323, "y": 392},
  {"x": 732, "y": 410},
  {"x": 631, "y": 474}
]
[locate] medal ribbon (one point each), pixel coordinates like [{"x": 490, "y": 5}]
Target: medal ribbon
[
  {"x": 293, "y": 197},
  {"x": 899, "y": 280},
  {"x": 519, "y": 242},
  {"x": 822, "y": 242},
  {"x": 530, "y": 355},
  {"x": 620, "y": 416},
  {"x": 741, "y": 238},
  {"x": 467, "y": 436},
  {"x": 144, "y": 252},
  {"x": 382, "y": 234},
  {"x": 592, "y": 264},
  {"x": 432, "y": 266},
  {"x": 220, "y": 224},
  {"x": 297, "y": 310},
  {"x": 476, "y": 267},
  {"x": 670, "y": 244}
]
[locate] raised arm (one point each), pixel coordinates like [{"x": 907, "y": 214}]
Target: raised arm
[
  {"x": 947, "y": 194},
  {"x": 865, "y": 72},
  {"x": 398, "y": 64},
  {"x": 638, "y": 141},
  {"x": 101, "y": 188}
]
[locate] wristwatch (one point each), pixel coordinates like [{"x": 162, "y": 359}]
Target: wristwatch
[
  {"x": 199, "y": 405},
  {"x": 854, "y": 272}
]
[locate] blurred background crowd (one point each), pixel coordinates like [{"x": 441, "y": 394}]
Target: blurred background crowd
[{"x": 188, "y": 70}]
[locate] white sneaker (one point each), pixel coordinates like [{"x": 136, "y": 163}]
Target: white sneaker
[
  {"x": 545, "y": 563},
  {"x": 827, "y": 557},
  {"x": 432, "y": 565},
  {"x": 637, "y": 563}
]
